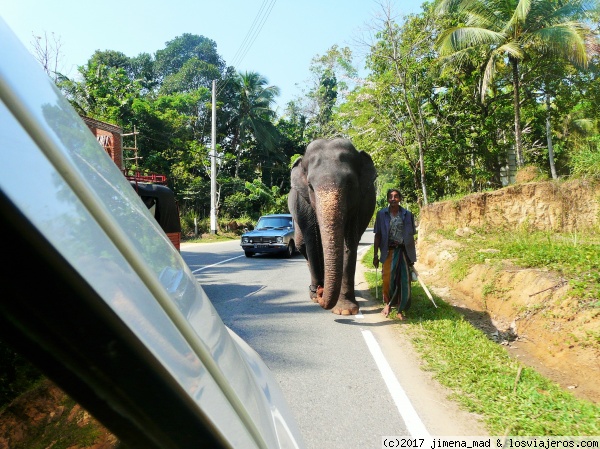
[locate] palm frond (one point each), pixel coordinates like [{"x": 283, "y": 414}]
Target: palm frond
[
  {"x": 488, "y": 74},
  {"x": 567, "y": 40},
  {"x": 512, "y": 49},
  {"x": 459, "y": 38},
  {"x": 521, "y": 12},
  {"x": 458, "y": 58}
]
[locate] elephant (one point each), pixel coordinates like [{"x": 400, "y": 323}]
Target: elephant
[{"x": 332, "y": 200}]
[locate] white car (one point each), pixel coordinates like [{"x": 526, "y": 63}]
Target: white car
[{"x": 95, "y": 294}]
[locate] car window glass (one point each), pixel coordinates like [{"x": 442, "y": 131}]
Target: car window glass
[{"x": 274, "y": 222}]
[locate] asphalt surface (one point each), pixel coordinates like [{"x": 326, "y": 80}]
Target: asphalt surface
[{"x": 348, "y": 380}]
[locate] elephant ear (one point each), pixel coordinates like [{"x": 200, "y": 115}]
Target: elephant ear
[
  {"x": 368, "y": 174},
  {"x": 367, "y": 177},
  {"x": 299, "y": 180}
]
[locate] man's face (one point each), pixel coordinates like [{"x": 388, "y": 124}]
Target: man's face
[{"x": 393, "y": 199}]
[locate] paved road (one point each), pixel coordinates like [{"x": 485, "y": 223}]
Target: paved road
[{"x": 348, "y": 380}]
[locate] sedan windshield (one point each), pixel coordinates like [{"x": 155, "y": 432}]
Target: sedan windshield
[{"x": 274, "y": 223}]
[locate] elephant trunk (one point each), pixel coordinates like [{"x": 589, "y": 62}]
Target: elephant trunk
[{"x": 331, "y": 211}]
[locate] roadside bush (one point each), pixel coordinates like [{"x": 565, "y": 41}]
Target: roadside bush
[
  {"x": 188, "y": 219},
  {"x": 235, "y": 225},
  {"x": 586, "y": 162},
  {"x": 17, "y": 375},
  {"x": 237, "y": 205},
  {"x": 254, "y": 200}
]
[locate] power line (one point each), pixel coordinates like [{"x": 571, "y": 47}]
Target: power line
[{"x": 251, "y": 35}]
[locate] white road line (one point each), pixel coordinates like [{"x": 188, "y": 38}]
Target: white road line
[
  {"x": 215, "y": 264},
  {"x": 413, "y": 423},
  {"x": 362, "y": 250},
  {"x": 256, "y": 291}
]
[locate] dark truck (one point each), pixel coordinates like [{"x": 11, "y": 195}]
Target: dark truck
[{"x": 160, "y": 201}]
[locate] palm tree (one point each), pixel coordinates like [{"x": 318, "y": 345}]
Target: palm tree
[
  {"x": 515, "y": 31},
  {"x": 252, "y": 116}
]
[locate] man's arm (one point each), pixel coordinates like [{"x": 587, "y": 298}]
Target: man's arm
[{"x": 376, "y": 243}]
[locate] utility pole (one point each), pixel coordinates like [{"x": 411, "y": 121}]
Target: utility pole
[{"x": 213, "y": 160}]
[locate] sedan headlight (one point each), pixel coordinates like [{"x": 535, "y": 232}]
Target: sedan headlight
[
  {"x": 245, "y": 240},
  {"x": 279, "y": 239}
]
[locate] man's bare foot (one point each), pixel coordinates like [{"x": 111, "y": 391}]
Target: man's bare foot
[{"x": 386, "y": 310}]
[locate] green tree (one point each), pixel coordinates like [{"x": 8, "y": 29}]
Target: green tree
[
  {"x": 110, "y": 58},
  {"x": 142, "y": 70},
  {"x": 333, "y": 76},
  {"x": 515, "y": 32},
  {"x": 576, "y": 121},
  {"x": 325, "y": 98},
  {"x": 254, "y": 199},
  {"x": 194, "y": 74},
  {"x": 251, "y": 118},
  {"x": 105, "y": 92},
  {"x": 139, "y": 69},
  {"x": 396, "y": 99},
  {"x": 177, "y": 52},
  {"x": 292, "y": 127}
]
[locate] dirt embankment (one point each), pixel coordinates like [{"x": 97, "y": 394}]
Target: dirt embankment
[
  {"x": 46, "y": 417},
  {"x": 527, "y": 310}
]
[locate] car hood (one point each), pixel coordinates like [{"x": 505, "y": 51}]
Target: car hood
[{"x": 265, "y": 232}]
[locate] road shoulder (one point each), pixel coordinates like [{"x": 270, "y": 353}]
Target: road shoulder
[{"x": 440, "y": 415}]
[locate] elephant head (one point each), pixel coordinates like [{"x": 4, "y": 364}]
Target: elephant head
[{"x": 332, "y": 201}]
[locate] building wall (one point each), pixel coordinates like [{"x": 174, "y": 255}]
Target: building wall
[{"x": 110, "y": 137}]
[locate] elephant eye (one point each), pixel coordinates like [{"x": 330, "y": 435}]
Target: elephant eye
[{"x": 311, "y": 187}]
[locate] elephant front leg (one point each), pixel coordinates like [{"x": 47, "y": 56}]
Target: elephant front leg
[
  {"x": 315, "y": 289},
  {"x": 347, "y": 304}
]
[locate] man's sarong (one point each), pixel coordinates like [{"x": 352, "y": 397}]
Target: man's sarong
[{"x": 396, "y": 265}]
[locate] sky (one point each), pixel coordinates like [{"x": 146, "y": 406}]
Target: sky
[{"x": 276, "y": 38}]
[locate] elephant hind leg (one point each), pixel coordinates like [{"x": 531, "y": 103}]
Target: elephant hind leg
[
  {"x": 316, "y": 292},
  {"x": 300, "y": 244}
]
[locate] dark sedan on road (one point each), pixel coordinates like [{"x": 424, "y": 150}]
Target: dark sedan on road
[{"x": 273, "y": 233}]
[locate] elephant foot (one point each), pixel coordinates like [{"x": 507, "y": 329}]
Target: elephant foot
[
  {"x": 345, "y": 307},
  {"x": 317, "y": 294},
  {"x": 339, "y": 311}
]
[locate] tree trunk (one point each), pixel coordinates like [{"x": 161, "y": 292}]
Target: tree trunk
[
  {"x": 549, "y": 138},
  {"x": 237, "y": 162},
  {"x": 420, "y": 137},
  {"x": 517, "y": 107},
  {"x": 473, "y": 176},
  {"x": 422, "y": 166}
]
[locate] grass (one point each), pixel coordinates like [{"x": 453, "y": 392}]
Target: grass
[
  {"x": 511, "y": 398},
  {"x": 208, "y": 238},
  {"x": 575, "y": 256}
]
